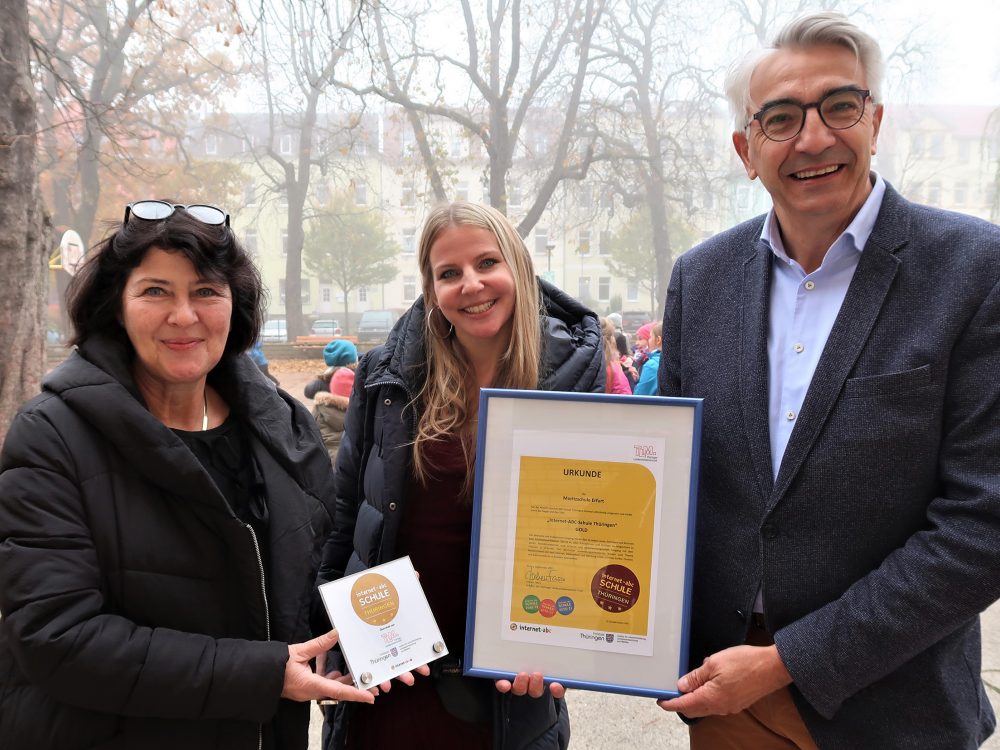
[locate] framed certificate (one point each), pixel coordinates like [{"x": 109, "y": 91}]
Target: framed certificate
[{"x": 582, "y": 542}]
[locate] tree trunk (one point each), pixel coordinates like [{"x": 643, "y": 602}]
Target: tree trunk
[{"x": 23, "y": 246}]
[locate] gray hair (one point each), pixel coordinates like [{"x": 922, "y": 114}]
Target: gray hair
[{"x": 808, "y": 31}]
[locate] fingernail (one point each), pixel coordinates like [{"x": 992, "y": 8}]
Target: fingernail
[{"x": 682, "y": 684}]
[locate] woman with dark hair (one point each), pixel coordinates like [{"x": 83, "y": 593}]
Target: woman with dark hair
[
  {"x": 405, "y": 468},
  {"x": 161, "y": 503}
]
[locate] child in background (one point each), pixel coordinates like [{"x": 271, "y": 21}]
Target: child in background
[
  {"x": 641, "y": 350},
  {"x": 614, "y": 380},
  {"x": 338, "y": 353},
  {"x": 647, "y": 385},
  {"x": 331, "y": 407}
]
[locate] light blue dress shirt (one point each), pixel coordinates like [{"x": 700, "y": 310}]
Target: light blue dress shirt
[{"x": 803, "y": 308}]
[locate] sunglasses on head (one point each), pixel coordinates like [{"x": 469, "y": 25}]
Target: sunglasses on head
[{"x": 159, "y": 210}]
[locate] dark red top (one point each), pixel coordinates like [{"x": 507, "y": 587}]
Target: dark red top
[{"x": 436, "y": 532}]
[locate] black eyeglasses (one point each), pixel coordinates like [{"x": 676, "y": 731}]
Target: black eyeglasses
[
  {"x": 839, "y": 110},
  {"x": 159, "y": 210}
]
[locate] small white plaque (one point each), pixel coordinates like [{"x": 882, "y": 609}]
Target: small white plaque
[{"x": 386, "y": 626}]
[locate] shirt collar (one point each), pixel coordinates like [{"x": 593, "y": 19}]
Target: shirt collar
[{"x": 858, "y": 231}]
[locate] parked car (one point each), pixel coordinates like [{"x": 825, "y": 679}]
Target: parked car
[
  {"x": 632, "y": 320},
  {"x": 274, "y": 332},
  {"x": 374, "y": 326},
  {"x": 329, "y": 328}
]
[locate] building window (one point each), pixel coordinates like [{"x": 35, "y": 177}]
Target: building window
[
  {"x": 249, "y": 144},
  {"x": 515, "y": 197},
  {"x": 362, "y": 294},
  {"x": 964, "y": 149},
  {"x": 324, "y": 293},
  {"x": 585, "y": 196},
  {"x": 541, "y": 241},
  {"x": 283, "y": 198},
  {"x": 285, "y": 145},
  {"x": 541, "y": 144},
  {"x": 583, "y": 242},
  {"x": 409, "y": 140},
  {"x": 584, "y": 288},
  {"x": 632, "y": 291},
  {"x": 462, "y": 191},
  {"x": 360, "y": 193},
  {"x": 455, "y": 147},
  {"x": 604, "y": 288},
  {"x": 409, "y": 196},
  {"x": 250, "y": 242},
  {"x": 917, "y": 144},
  {"x": 250, "y": 194},
  {"x": 409, "y": 241},
  {"x": 284, "y": 243},
  {"x": 604, "y": 248},
  {"x": 961, "y": 193},
  {"x": 211, "y": 144},
  {"x": 409, "y": 288},
  {"x": 934, "y": 193},
  {"x": 937, "y": 146},
  {"x": 607, "y": 200},
  {"x": 361, "y": 147},
  {"x": 742, "y": 198}
]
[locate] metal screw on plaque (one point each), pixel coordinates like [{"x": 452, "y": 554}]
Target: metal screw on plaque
[
  {"x": 438, "y": 647},
  {"x": 366, "y": 677}
]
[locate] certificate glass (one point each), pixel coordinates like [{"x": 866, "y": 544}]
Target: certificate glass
[
  {"x": 385, "y": 624},
  {"x": 582, "y": 544}
]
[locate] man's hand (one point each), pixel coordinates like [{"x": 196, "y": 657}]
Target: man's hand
[
  {"x": 729, "y": 681},
  {"x": 533, "y": 685}
]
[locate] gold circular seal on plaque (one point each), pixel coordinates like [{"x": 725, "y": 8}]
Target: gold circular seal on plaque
[{"x": 375, "y": 599}]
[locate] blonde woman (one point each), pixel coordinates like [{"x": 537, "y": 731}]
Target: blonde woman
[
  {"x": 405, "y": 467},
  {"x": 614, "y": 375}
]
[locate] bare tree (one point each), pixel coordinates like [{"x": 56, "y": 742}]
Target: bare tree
[
  {"x": 514, "y": 61},
  {"x": 23, "y": 235},
  {"x": 296, "y": 49},
  {"x": 652, "y": 109},
  {"x": 114, "y": 75}
]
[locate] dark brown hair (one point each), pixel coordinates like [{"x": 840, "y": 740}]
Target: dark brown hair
[{"x": 94, "y": 296}]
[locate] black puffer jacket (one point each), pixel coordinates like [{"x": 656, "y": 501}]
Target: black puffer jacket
[
  {"x": 132, "y": 602},
  {"x": 373, "y": 468}
]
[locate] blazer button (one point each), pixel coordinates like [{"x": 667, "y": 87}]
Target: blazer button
[
  {"x": 388, "y": 402},
  {"x": 741, "y": 615},
  {"x": 769, "y": 531},
  {"x": 392, "y": 506}
]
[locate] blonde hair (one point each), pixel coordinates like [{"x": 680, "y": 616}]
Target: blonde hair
[
  {"x": 611, "y": 356},
  {"x": 448, "y": 401}
]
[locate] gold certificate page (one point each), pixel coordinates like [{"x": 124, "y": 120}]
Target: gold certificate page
[{"x": 581, "y": 553}]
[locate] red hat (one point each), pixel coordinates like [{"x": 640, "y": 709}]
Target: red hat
[
  {"x": 342, "y": 382},
  {"x": 645, "y": 331}
]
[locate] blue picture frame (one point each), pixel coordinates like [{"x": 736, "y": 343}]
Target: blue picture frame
[{"x": 487, "y": 654}]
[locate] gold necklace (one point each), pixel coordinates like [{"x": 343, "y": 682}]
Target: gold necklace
[{"x": 204, "y": 419}]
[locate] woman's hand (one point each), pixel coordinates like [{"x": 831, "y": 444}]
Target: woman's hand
[
  {"x": 533, "y": 685},
  {"x": 407, "y": 678},
  {"x": 302, "y": 684}
]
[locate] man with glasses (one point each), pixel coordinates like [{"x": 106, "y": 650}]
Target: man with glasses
[{"x": 847, "y": 346}]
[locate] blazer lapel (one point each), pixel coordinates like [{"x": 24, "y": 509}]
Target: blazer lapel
[
  {"x": 865, "y": 296},
  {"x": 753, "y": 361}
]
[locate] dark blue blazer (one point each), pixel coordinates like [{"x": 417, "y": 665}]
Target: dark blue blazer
[{"x": 878, "y": 543}]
